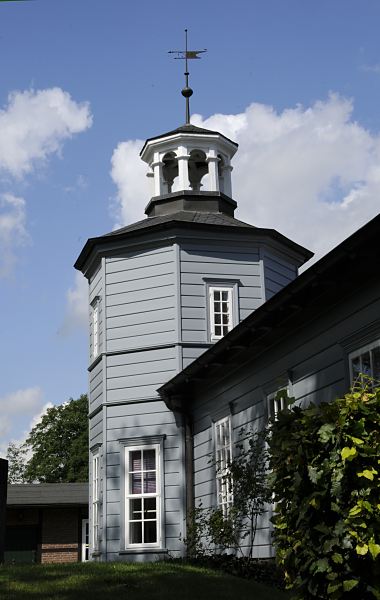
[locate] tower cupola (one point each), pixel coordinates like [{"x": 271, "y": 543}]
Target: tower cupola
[{"x": 189, "y": 158}]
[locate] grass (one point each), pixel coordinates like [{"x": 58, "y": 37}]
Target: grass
[{"x": 153, "y": 581}]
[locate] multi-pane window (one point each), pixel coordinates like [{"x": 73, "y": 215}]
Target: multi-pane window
[
  {"x": 223, "y": 457},
  {"x": 365, "y": 361},
  {"x": 277, "y": 401},
  {"x": 143, "y": 496},
  {"x": 221, "y": 311},
  {"x": 95, "y": 501},
  {"x": 95, "y": 330}
]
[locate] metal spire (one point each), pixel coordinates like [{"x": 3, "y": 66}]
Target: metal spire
[{"x": 187, "y": 55}]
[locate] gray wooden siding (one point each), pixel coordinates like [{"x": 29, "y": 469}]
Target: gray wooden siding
[
  {"x": 96, "y": 291},
  {"x": 144, "y": 419},
  {"x": 316, "y": 355},
  {"x": 215, "y": 260},
  {"x": 137, "y": 375},
  {"x": 96, "y": 387},
  {"x": 140, "y": 298},
  {"x": 278, "y": 272}
]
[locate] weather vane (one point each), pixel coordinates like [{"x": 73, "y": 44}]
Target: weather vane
[{"x": 187, "y": 55}]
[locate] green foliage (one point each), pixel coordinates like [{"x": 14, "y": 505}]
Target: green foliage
[
  {"x": 59, "y": 444},
  {"x": 325, "y": 463},
  {"x": 16, "y": 457},
  {"x": 209, "y": 530}
]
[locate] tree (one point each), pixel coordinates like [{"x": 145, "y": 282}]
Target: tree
[
  {"x": 16, "y": 457},
  {"x": 59, "y": 444}
]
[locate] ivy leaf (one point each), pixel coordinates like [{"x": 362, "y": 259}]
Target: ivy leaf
[
  {"x": 367, "y": 474},
  {"x": 356, "y": 440},
  {"x": 333, "y": 587},
  {"x": 337, "y": 558},
  {"x": 348, "y": 453},
  {"x": 314, "y": 474},
  {"x": 361, "y": 549},
  {"x": 321, "y": 565},
  {"x": 355, "y": 510},
  {"x": 374, "y": 549},
  {"x": 326, "y": 432},
  {"x": 349, "y": 584}
]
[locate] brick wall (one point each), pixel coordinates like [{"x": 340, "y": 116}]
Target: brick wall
[{"x": 60, "y": 535}]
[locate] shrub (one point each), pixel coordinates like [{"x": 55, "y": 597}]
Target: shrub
[{"x": 325, "y": 463}]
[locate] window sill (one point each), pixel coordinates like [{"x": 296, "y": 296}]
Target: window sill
[{"x": 143, "y": 550}]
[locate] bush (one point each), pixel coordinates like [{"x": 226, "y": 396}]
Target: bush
[{"x": 325, "y": 463}]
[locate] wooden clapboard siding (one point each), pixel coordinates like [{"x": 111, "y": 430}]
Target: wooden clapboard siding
[{"x": 316, "y": 356}]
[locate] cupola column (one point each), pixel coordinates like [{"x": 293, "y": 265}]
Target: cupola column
[
  {"x": 183, "y": 168},
  {"x": 212, "y": 161},
  {"x": 157, "y": 166},
  {"x": 227, "y": 180}
]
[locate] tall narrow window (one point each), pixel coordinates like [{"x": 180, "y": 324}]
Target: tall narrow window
[
  {"x": 221, "y": 312},
  {"x": 223, "y": 457},
  {"x": 95, "y": 501},
  {"x": 143, "y": 496},
  {"x": 95, "y": 330},
  {"x": 365, "y": 362}
]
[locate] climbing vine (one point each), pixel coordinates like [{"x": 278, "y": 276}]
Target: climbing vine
[{"x": 325, "y": 464}]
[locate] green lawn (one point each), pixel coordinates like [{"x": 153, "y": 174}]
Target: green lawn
[{"x": 154, "y": 581}]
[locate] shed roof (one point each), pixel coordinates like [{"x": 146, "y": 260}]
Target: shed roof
[
  {"x": 349, "y": 264},
  {"x": 47, "y": 494}
]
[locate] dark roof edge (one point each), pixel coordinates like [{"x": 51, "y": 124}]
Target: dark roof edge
[
  {"x": 317, "y": 270},
  {"x": 250, "y": 230},
  {"x": 190, "y": 130}
]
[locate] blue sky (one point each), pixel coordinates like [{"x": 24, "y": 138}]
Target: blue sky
[{"x": 84, "y": 82}]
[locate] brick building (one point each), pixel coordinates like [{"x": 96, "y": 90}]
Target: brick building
[{"x": 47, "y": 523}]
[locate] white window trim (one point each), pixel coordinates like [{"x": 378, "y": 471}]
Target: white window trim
[
  {"x": 230, "y": 325},
  {"x": 95, "y": 330},
  {"x": 95, "y": 504},
  {"x": 359, "y": 352},
  {"x": 157, "y": 495},
  {"x": 224, "y": 494}
]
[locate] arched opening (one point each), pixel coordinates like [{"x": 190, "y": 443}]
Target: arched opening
[
  {"x": 198, "y": 168},
  {"x": 169, "y": 170}
]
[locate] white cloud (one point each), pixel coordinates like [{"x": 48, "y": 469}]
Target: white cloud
[
  {"x": 76, "y": 305},
  {"x": 34, "y": 124},
  {"x": 21, "y": 404},
  {"x": 312, "y": 173},
  {"x": 129, "y": 174},
  {"x": 12, "y": 230},
  {"x": 37, "y": 417},
  {"x": 26, "y": 403}
]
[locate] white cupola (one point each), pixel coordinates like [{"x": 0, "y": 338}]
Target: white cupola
[{"x": 189, "y": 158}]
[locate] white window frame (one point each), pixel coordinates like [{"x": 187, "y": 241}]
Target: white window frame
[
  {"x": 358, "y": 354},
  {"x": 95, "y": 328},
  {"x": 129, "y": 496},
  {"x": 95, "y": 504},
  {"x": 223, "y": 457},
  {"x": 230, "y": 301},
  {"x": 276, "y": 404}
]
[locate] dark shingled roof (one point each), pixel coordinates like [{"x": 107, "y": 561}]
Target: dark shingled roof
[
  {"x": 188, "y": 128},
  {"x": 186, "y": 218},
  {"x": 47, "y": 494}
]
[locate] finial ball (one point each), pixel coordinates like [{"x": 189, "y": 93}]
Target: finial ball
[{"x": 187, "y": 92}]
